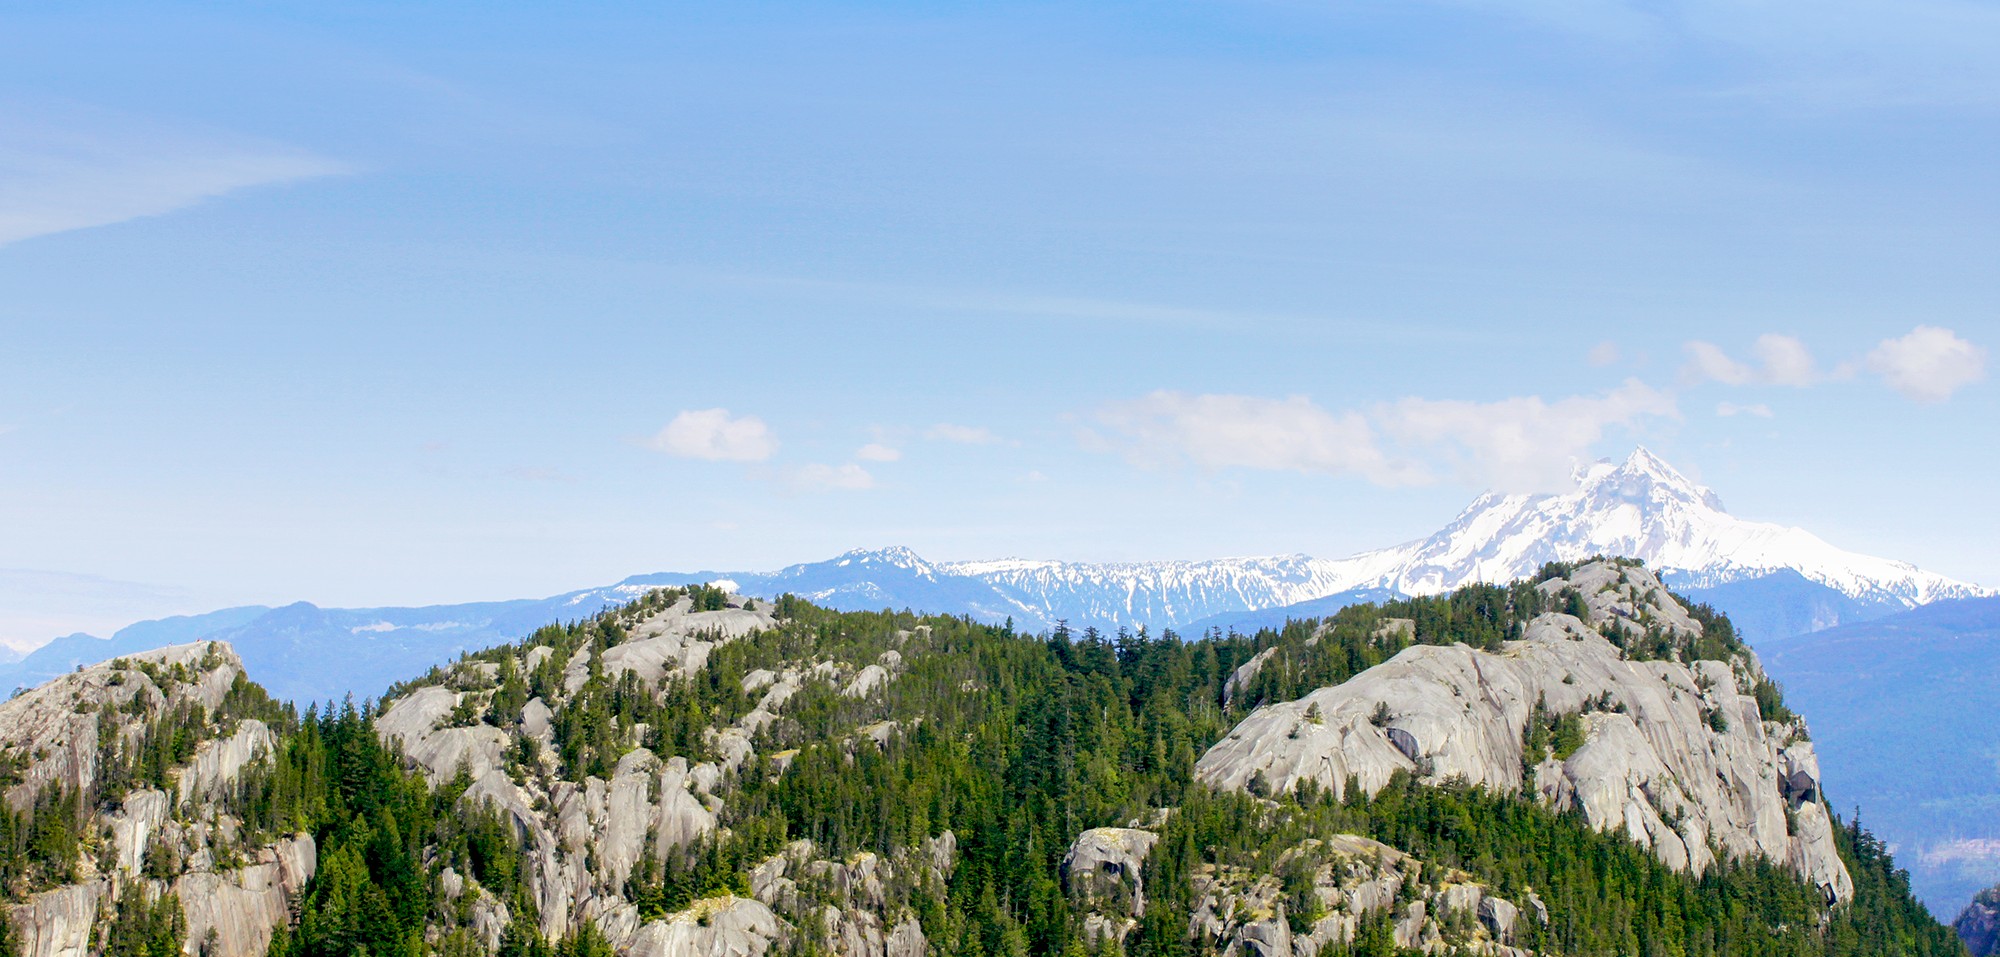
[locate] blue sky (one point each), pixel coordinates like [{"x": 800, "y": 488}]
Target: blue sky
[{"x": 370, "y": 304}]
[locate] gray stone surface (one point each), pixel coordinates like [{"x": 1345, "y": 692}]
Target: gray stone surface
[{"x": 1461, "y": 712}]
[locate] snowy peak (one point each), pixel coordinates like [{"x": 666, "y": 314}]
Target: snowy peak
[
  {"x": 895, "y": 556},
  {"x": 1641, "y": 508},
  {"x": 1645, "y": 480}
]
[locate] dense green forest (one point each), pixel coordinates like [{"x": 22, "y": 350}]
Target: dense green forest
[{"x": 1015, "y": 743}]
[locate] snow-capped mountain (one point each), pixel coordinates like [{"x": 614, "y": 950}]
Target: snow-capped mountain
[
  {"x": 1773, "y": 581},
  {"x": 1642, "y": 508},
  {"x": 1149, "y": 593}
]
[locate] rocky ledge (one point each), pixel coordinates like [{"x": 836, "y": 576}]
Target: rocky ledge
[{"x": 1673, "y": 752}]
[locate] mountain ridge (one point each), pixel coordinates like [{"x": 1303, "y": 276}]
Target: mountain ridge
[{"x": 1778, "y": 581}]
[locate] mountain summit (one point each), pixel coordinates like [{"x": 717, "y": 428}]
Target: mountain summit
[
  {"x": 1774, "y": 581},
  {"x": 1641, "y": 508},
  {"x": 1780, "y": 580}
]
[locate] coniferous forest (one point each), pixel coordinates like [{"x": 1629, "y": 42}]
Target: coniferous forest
[{"x": 1013, "y": 743}]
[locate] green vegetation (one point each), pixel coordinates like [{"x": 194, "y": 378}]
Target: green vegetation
[{"x": 1013, "y": 743}]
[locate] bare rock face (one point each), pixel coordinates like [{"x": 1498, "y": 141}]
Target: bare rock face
[
  {"x": 57, "y": 923},
  {"x": 1979, "y": 924},
  {"x": 218, "y": 764},
  {"x": 244, "y": 906},
  {"x": 717, "y": 927},
  {"x": 1245, "y": 673},
  {"x": 582, "y": 840},
  {"x": 677, "y": 641},
  {"x": 58, "y": 729},
  {"x": 53, "y": 728},
  {"x": 1242, "y": 912},
  {"x": 1105, "y": 866},
  {"x": 1675, "y": 755},
  {"x": 858, "y": 907}
]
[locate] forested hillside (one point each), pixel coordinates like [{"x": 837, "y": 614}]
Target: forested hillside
[{"x": 696, "y": 773}]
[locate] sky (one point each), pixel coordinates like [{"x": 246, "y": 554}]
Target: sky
[{"x": 404, "y": 304}]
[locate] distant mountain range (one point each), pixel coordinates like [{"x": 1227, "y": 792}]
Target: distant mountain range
[
  {"x": 1902, "y": 713},
  {"x": 1775, "y": 581}
]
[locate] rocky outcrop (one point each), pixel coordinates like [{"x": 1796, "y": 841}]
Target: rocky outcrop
[
  {"x": 1240, "y": 679},
  {"x": 582, "y": 839},
  {"x": 1978, "y": 925},
  {"x": 859, "y": 907},
  {"x": 52, "y": 731},
  {"x": 1352, "y": 879},
  {"x": 217, "y": 764},
  {"x": 65, "y": 728},
  {"x": 1105, "y": 868},
  {"x": 1245, "y": 912},
  {"x": 678, "y": 640},
  {"x": 1675, "y": 755},
  {"x": 57, "y": 923},
  {"x": 718, "y": 927},
  {"x": 243, "y": 906}
]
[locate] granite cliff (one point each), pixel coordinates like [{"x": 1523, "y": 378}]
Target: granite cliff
[
  {"x": 1670, "y": 747},
  {"x": 82, "y": 743}
]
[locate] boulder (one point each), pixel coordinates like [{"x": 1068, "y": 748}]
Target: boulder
[{"x": 1105, "y": 864}]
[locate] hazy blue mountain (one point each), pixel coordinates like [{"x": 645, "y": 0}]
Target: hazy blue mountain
[
  {"x": 65, "y": 654},
  {"x": 307, "y": 653},
  {"x": 864, "y": 580},
  {"x": 1774, "y": 581},
  {"x": 1903, "y": 715},
  {"x": 1782, "y": 604}
]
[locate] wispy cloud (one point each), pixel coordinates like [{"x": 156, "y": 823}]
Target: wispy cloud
[
  {"x": 716, "y": 436},
  {"x": 95, "y": 170},
  {"x": 1523, "y": 443},
  {"x": 877, "y": 452},
  {"x": 1731, "y": 410},
  {"x": 846, "y": 477},
  {"x": 962, "y": 434},
  {"x": 38, "y": 604},
  {"x": 1244, "y": 431},
  {"x": 1927, "y": 364},
  {"x": 1781, "y": 360}
]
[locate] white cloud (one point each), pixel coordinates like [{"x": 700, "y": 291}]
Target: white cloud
[
  {"x": 961, "y": 434},
  {"x": 1603, "y": 354},
  {"x": 849, "y": 477},
  {"x": 1222, "y": 431},
  {"x": 1786, "y": 360},
  {"x": 83, "y": 171},
  {"x": 1728, "y": 409},
  {"x": 1781, "y": 360},
  {"x": 714, "y": 435},
  {"x": 1928, "y": 364},
  {"x": 1522, "y": 444},
  {"x": 1706, "y": 360},
  {"x": 1517, "y": 444},
  {"x": 878, "y": 452}
]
